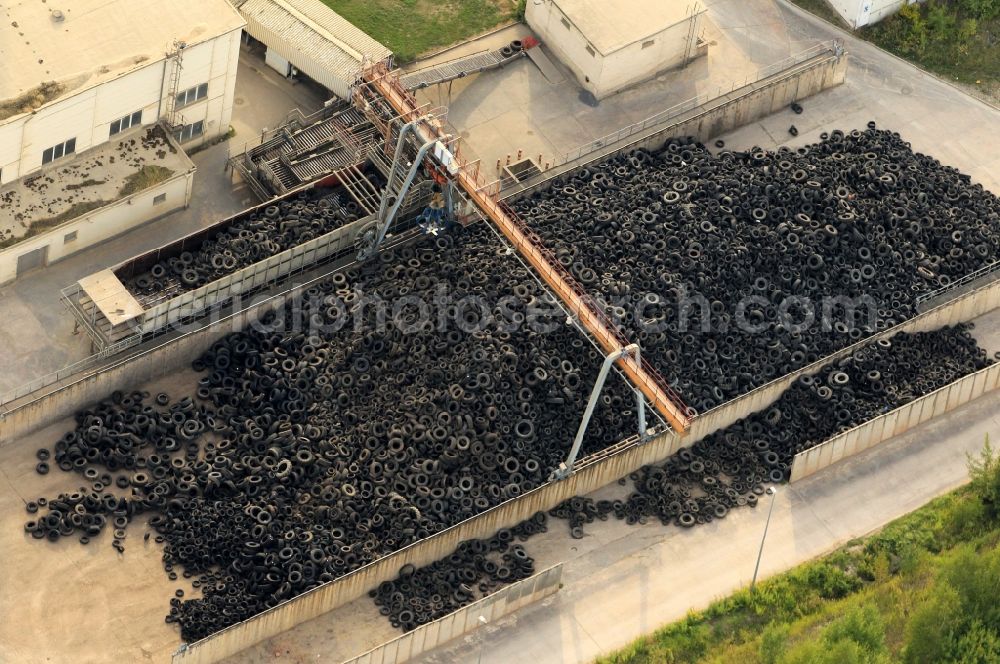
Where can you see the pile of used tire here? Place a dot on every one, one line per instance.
(741, 234)
(475, 569)
(254, 236)
(700, 484)
(313, 448)
(731, 467)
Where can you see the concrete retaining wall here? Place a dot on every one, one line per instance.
(65, 398)
(492, 608)
(753, 102)
(961, 309)
(896, 422)
(592, 474)
(717, 116)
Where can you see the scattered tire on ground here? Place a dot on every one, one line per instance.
(311, 449)
(475, 569)
(726, 470)
(743, 239)
(730, 468)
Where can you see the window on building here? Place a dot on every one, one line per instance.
(192, 95)
(189, 131)
(121, 124)
(648, 43)
(565, 22)
(60, 150)
(159, 198)
(69, 237)
(590, 49)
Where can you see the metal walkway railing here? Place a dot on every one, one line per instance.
(458, 68)
(386, 83)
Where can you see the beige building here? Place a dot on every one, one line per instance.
(76, 76)
(88, 89)
(612, 44)
(307, 36)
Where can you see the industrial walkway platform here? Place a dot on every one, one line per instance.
(460, 68)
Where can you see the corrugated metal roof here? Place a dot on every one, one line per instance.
(307, 32)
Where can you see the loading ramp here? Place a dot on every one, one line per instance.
(462, 67)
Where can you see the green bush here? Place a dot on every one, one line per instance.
(856, 638)
(832, 582)
(979, 645)
(861, 625)
(981, 9)
(984, 473)
(930, 630)
(773, 642)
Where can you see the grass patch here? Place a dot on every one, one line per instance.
(144, 178)
(923, 589)
(411, 27)
(89, 182)
(946, 38)
(30, 100)
(955, 39)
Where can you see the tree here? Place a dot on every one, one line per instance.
(984, 473)
(930, 630)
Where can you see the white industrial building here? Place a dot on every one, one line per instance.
(307, 36)
(81, 76)
(73, 75)
(612, 45)
(859, 13)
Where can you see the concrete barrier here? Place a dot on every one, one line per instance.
(592, 473)
(713, 117)
(961, 309)
(895, 422)
(465, 620)
(426, 637)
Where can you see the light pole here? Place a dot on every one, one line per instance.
(482, 642)
(772, 492)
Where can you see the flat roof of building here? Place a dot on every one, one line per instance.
(71, 187)
(609, 26)
(313, 29)
(82, 43)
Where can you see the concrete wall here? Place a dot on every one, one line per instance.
(252, 277)
(706, 119)
(88, 114)
(426, 637)
(618, 461)
(633, 63)
(603, 74)
(102, 223)
(896, 422)
(962, 309)
(755, 101)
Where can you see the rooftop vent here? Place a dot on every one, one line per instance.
(58, 16)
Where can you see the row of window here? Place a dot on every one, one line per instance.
(124, 123)
(197, 93)
(185, 133)
(189, 131)
(60, 150)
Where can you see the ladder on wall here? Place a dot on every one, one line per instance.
(175, 63)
